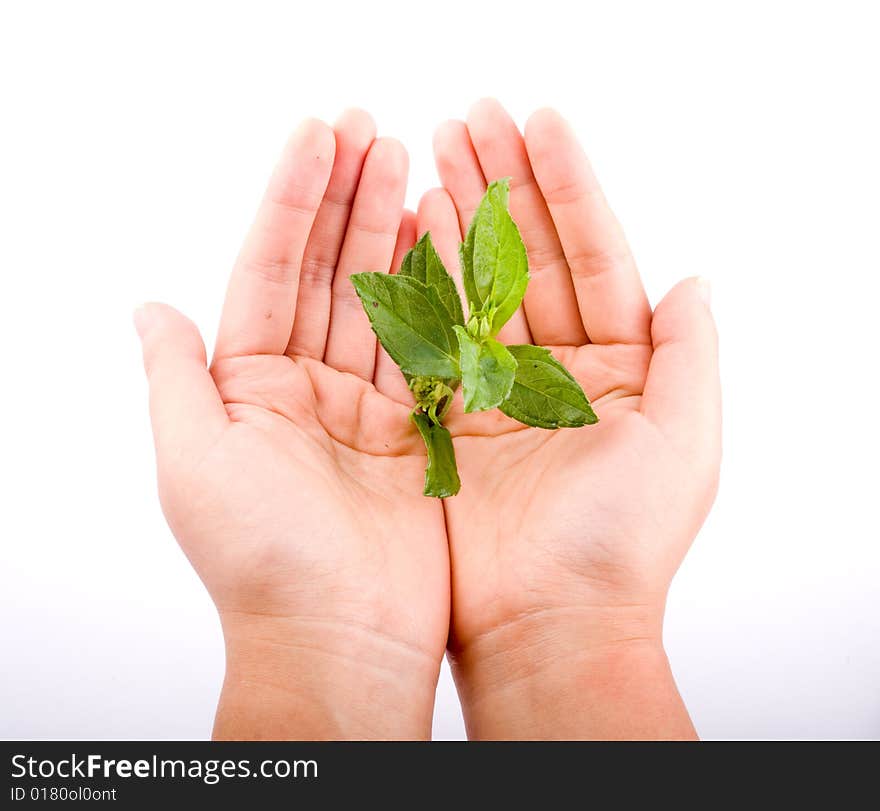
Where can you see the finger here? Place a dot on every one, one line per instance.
(437, 214)
(459, 169)
(612, 301)
(369, 246)
(550, 304)
(354, 133)
(388, 378)
(261, 296)
(185, 407)
(462, 177)
(406, 238)
(682, 393)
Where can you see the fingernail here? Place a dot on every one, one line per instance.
(705, 290)
(141, 319)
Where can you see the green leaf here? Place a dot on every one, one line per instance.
(411, 322)
(424, 263)
(544, 394)
(494, 264)
(441, 474)
(466, 260)
(487, 371)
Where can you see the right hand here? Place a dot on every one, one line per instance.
(291, 483)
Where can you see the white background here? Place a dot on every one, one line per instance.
(738, 142)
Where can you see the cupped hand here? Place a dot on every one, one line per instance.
(292, 485)
(563, 543)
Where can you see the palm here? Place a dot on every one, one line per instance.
(326, 468)
(538, 510)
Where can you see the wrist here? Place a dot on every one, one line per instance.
(571, 674)
(314, 679)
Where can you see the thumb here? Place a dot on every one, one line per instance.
(682, 393)
(185, 407)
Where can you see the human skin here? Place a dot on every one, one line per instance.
(292, 478)
(292, 485)
(563, 543)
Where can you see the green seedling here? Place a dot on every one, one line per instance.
(417, 315)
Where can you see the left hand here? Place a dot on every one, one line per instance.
(563, 543)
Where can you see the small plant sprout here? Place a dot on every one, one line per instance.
(417, 315)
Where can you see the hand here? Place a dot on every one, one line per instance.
(563, 543)
(292, 485)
